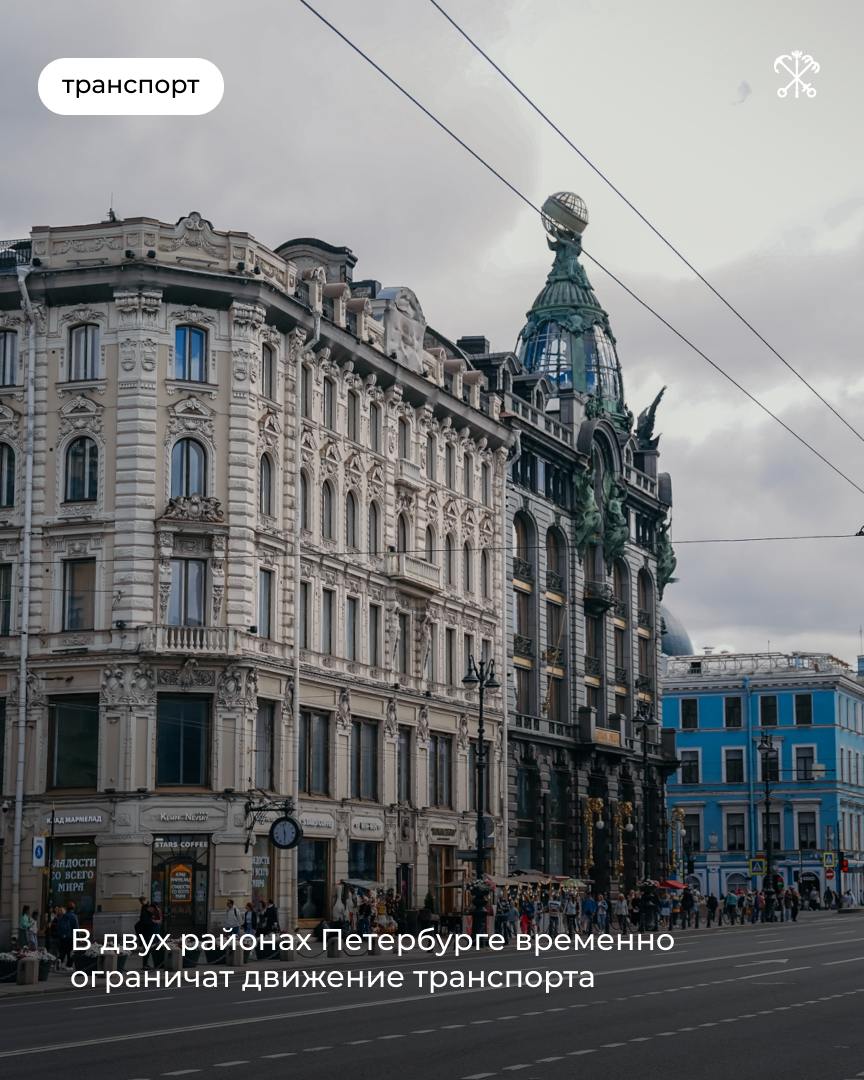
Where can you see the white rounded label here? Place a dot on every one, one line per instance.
(131, 86)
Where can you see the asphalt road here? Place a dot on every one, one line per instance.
(774, 1001)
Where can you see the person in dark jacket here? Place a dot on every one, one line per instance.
(67, 924)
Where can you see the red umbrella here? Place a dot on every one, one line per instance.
(672, 885)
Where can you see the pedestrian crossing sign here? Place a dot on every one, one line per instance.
(829, 860)
(757, 866)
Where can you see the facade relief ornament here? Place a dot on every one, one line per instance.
(423, 726)
(462, 736)
(195, 231)
(113, 686)
(343, 711)
(666, 560)
(229, 688)
(391, 720)
(587, 513)
(288, 699)
(194, 508)
(80, 414)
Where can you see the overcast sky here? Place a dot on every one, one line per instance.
(675, 100)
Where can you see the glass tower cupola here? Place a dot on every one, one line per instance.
(567, 336)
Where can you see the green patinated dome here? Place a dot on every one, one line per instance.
(567, 336)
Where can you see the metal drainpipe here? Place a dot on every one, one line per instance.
(505, 667)
(24, 579)
(298, 441)
(752, 757)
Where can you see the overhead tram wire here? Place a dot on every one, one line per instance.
(524, 198)
(672, 247)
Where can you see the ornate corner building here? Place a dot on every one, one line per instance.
(268, 517)
(588, 512)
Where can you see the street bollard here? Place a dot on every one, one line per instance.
(109, 961)
(373, 945)
(332, 949)
(28, 971)
(173, 960)
(235, 957)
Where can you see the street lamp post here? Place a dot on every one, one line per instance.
(767, 750)
(480, 676)
(645, 722)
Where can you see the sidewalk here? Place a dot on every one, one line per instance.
(60, 981)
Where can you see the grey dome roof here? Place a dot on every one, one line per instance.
(675, 640)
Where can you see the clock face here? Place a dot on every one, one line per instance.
(285, 832)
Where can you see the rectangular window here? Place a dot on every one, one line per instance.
(375, 428)
(265, 603)
(79, 584)
(431, 454)
(440, 770)
(403, 654)
(689, 766)
(523, 691)
(430, 668)
(593, 637)
(304, 615)
(734, 763)
(467, 651)
(692, 833)
(352, 609)
(735, 834)
(305, 393)
(268, 372)
(329, 404)
(73, 743)
(803, 708)
(645, 650)
(450, 655)
(620, 640)
(774, 822)
(5, 601)
(313, 753)
(353, 416)
(8, 357)
(472, 778)
(732, 712)
(768, 710)
(364, 860)
(186, 596)
(374, 635)
(805, 758)
(190, 354)
(689, 713)
(2, 741)
(403, 765)
(182, 740)
(265, 735)
(807, 830)
(327, 599)
(84, 352)
(556, 700)
(364, 759)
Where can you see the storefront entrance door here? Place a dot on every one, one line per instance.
(179, 881)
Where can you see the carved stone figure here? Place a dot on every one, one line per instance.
(645, 425)
(423, 725)
(288, 699)
(616, 529)
(194, 508)
(404, 327)
(587, 512)
(666, 561)
(113, 685)
(462, 734)
(343, 710)
(391, 720)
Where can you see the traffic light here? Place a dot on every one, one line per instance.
(844, 864)
(779, 883)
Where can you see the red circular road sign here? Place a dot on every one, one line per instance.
(829, 874)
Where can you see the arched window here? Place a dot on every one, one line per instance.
(188, 469)
(645, 590)
(450, 560)
(304, 501)
(486, 484)
(330, 404)
(467, 568)
(450, 466)
(190, 354)
(83, 352)
(374, 529)
(375, 427)
(430, 545)
(353, 416)
(524, 555)
(8, 357)
(351, 521)
(82, 470)
(468, 476)
(485, 575)
(402, 533)
(268, 372)
(305, 392)
(404, 439)
(7, 475)
(265, 486)
(431, 457)
(556, 561)
(621, 586)
(327, 514)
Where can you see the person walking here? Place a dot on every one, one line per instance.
(589, 911)
(687, 904)
(24, 926)
(571, 911)
(66, 927)
(711, 906)
(731, 907)
(796, 904)
(33, 931)
(250, 920)
(622, 913)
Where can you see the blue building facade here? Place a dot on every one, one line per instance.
(809, 707)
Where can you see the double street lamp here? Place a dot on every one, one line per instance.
(645, 722)
(480, 677)
(768, 752)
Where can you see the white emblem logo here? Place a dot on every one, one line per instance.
(796, 64)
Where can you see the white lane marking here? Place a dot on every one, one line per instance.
(555, 1057)
(642, 1038)
(515, 1068)
(181, 1072)
(607, 1046)
(477, 1076)
(111, 1004)
(358, 1042)
(450, 1027)
(402, 1036)
(578, 1053)
(757, 963)
(228, 1064)
(473, 1022)
(774, 974)
(422, 1031)
(285, 1053)
(315, 1049)
(851, 960)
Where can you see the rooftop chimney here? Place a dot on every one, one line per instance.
(475, 345)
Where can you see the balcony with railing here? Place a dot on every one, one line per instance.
(599, 596)
(593, 666)
(523, 646)
(555, 581)
(541, 725)
(554, 656)
(522, 569)
(645, 684)
(622, 608)
(646, 620)
(410, 474)
(414, 573)
(607, 733)
(621, 676)
(193, 640)
(14, 253)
